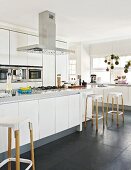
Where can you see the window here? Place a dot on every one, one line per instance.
(72, 70)
(98, 67)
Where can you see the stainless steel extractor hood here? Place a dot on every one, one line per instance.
(47, 36)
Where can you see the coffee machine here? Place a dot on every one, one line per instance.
(93, 78)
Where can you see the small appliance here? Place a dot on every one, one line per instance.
(93, 78)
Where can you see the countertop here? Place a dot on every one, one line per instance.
(110, 84)
(43, 95)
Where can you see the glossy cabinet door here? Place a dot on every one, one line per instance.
(62, 62)
(29, 109)
(74, 110)
(4, 47)
(34, 59)
(62, 66)
(62, 113)
(49, 70)
(7, 110)
(18, 40)
(46, 117)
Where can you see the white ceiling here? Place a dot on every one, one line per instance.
(76, 20)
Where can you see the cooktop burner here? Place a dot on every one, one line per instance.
(49, 87)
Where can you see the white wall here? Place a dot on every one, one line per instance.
(118, 47)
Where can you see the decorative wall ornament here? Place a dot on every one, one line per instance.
(126, 68)
(111, 61)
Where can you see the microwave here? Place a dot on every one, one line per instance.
(35, 74)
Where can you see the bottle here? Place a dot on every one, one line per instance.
(58, 80)
(9, 84)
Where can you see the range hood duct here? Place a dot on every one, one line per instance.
(47, 36)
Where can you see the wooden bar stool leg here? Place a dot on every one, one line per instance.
(17, 143)
(117, 113)
(112, 108)
(103, 110)
(32, 146)
(122, 107)
(92, 111)
(85, 113)
(96, 115)
(9, 146)
(107, 109)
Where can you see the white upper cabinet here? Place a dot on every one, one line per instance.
(62, 62)
(34, 59)
(49, 70)
(62, 66)
(18, 40)
(4, 47)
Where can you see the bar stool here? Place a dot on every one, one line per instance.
(15, 124)
(95, 99)
(115, 95)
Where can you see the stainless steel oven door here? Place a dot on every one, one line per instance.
(3, 74)
(35, 74)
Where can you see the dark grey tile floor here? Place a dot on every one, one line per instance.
(109, 149)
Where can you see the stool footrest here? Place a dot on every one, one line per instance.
(99, 117)
(120, 112)
(27, 161)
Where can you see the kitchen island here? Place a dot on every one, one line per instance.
(54, 114)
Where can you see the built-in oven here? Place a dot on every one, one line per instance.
(3, 73)
(35, 74)
(19, 74)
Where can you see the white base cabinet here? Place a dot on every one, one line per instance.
(74, 110)
(29, 109)
(46, 117)
(62, 113)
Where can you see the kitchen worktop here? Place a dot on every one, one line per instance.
(43, 94)
(110, 84)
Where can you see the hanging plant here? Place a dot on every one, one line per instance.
(126, 68)
(111, 61)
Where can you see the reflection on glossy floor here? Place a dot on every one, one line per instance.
(108, 150)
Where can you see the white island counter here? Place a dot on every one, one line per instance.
(51, 113)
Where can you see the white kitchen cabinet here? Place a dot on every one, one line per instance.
(29, 109)
(7, 110)
(18, 40)
(46, 117)
(4, 46)
(62, 66)
(74, 110)
(49, 70)
(62, 62)
(34, 59)
(62, 113)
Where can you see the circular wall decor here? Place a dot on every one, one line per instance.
(111, 61)
(126, 68)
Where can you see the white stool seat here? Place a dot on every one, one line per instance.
(115, 94)
(95, 96)
(13, 122)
